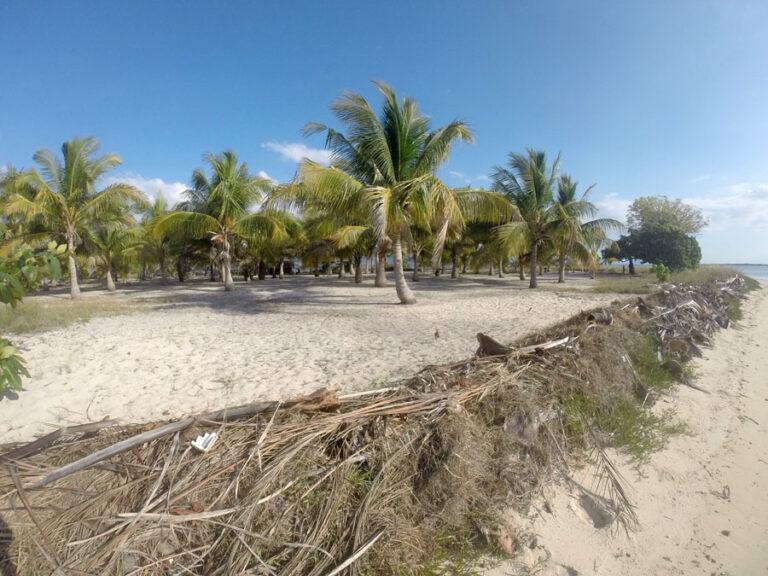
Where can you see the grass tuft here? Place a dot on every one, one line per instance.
(454, 553)
(37, 316)
(652, 372)
(625, 284)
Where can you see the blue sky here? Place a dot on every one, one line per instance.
(639, 97)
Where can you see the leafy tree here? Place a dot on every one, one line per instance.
(675, 250)
(660, 232)
(385, 167)
(20, 272)
(66, 201)
(659, 213)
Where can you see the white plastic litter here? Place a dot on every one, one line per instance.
(205, 442)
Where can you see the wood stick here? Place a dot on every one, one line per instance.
(44, 441)
(113, 450)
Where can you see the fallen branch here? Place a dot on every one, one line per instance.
(113, 450)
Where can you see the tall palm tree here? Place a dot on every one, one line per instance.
(386, 164)
(219, 208)
(528, 183)
(571, 235)
(66, 201)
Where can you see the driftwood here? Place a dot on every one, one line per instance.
(113, 450)
(490, 347)
(45, 441)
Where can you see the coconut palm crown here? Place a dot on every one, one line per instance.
(571, 235)
(387, 165)
(528, 182)
(221, 209)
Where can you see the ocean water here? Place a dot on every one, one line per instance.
(756, 271)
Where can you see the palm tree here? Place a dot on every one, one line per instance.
(527, 182)
(456, 208)
(112, 243)
(156, 248)
(385, 164)
(65, 199)
(219, 208)
(571, 236)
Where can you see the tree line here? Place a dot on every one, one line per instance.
(379, 200)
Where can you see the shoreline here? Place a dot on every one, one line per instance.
(700, 500)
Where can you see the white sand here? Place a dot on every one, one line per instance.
(703, 501)
(207, 349)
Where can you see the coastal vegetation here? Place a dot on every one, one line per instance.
(379, 202)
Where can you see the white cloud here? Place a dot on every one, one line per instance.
(152, 187)
(613, 206)
(742, 207)
(263, 174)
(468, 180)
(296, 152)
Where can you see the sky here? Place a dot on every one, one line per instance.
(640, 98)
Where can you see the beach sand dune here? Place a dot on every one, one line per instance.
(200, 348)
(701, 501)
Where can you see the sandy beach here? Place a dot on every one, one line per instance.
(701, 501)
(200, 348)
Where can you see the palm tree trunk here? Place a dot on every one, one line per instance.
(74, 288)
(262, 270)
(561, 269)
(341, 267)
(226, 270)
(401, 286)
(534, 265)
(501, 268)
(110, 281)
(281, 273)
(381, 269)
(490, 269)
(358, 270)
(352, 267)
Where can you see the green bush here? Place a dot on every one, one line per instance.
(663, 274)
(22, 271)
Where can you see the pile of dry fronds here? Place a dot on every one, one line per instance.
(327, 484)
